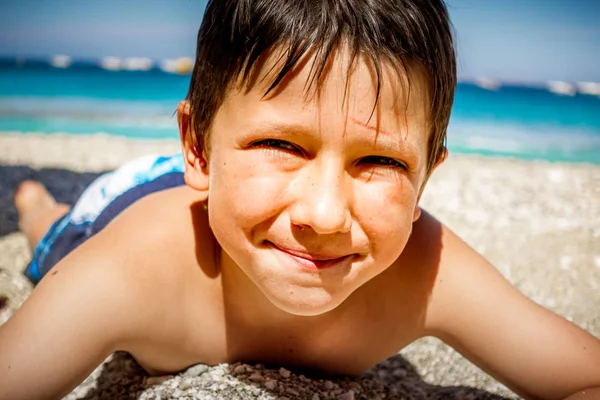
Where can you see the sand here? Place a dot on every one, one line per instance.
(537, 222)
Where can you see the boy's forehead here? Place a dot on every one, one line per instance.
(353, 85)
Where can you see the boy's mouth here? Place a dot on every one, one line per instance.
(312, 260)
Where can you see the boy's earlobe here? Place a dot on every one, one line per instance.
(417, 213)
(196, 169)
(194, 156)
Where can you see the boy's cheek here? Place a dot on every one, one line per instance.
(246, 199)
(386, 216)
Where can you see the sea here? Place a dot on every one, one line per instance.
(525, 122)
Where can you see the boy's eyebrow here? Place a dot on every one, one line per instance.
(402, 146)
(300, 130)
(295, 129)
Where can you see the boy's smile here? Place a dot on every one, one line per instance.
(308, 260)
(312, 196)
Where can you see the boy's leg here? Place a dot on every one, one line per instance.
(37, 210)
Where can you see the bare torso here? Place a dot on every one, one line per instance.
(198, 325)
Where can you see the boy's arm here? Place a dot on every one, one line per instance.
(78, 315)
(530, 349)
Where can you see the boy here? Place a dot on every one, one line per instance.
(308, 135)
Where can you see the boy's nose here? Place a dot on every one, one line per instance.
(322, 205)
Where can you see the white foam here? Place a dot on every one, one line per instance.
(137, 64)
(487, 83)
(60, 61)
(127, 64)
(590, 88)
(110, 63)
(562, 88)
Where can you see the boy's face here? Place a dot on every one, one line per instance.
(311, 198)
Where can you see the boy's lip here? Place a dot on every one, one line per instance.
(311, 260)
(307, 255)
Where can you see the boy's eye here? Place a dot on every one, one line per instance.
(383, 161)
(277, 144)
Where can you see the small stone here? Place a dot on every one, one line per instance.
(315, 397)
(186, 384)
(399, 373)
(157, 380)
(256, 377)
(240, 369)
(382, 373)
(196, 370)
(566, 262)
(271, 384)
(347, 396)
(555, 175)
(293, 392)
(284, 372)
(177, 393)
(328, 385)
(283, 398)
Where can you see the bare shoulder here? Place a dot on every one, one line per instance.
(162, 238)
(165, 215)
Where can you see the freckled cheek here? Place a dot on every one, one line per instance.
(385, 213)
(247, 191)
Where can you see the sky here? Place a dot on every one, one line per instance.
(512, 40)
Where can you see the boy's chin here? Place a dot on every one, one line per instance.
(306, 302)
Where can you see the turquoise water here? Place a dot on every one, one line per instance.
(512, 121)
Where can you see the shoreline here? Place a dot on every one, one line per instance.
(538, 222)
(18, 148)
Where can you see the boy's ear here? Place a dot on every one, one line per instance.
(417, 212)
(194, 156)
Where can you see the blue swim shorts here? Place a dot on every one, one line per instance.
(100, 203)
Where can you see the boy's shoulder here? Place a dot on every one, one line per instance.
(164, 233)
(165, 213)
(162, 222)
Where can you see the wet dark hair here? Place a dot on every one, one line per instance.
(236, 34)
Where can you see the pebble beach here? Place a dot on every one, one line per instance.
(537, 222)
